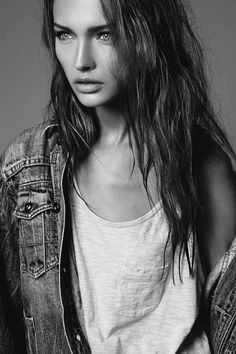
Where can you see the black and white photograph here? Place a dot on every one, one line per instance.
(118, 177)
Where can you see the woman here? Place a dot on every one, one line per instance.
(105, 206)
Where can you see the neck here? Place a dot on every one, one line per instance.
(113, 130)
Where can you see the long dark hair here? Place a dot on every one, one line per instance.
(164, 95)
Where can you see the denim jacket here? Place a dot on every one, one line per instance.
(37, 311)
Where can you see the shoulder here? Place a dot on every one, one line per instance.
(216, 192)
(32, 143)
(212, 165)
(216, 185)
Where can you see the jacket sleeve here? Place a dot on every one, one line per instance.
(12, 339)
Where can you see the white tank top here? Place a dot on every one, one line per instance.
(130, 303)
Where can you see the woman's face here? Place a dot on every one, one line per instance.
(85, 50)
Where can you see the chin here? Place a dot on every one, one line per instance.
(94, 100)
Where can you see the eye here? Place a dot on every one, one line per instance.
(63, 36)
(105, 36)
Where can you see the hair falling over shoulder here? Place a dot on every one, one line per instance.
(165, 101)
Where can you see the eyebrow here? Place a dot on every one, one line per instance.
(90, 30)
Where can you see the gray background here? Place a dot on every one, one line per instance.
(25, 72)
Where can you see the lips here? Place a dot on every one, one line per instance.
(88, 81)
(87, 85)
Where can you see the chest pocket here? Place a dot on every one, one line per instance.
(38, 219)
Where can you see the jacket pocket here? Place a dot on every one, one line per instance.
(37, 218)
(140, 291)
(30, 334)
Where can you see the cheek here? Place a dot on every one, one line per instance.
(64, 60)
(111, 67)
(58, 53)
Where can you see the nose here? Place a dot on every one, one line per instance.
(84, 60)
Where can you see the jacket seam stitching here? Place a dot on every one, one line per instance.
(6, 181)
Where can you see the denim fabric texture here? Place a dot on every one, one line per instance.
(37, 307)
(221, 291)
(34, 289)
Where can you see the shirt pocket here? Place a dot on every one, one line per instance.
(37, 216)
(140, 291)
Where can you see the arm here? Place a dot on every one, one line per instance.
(11, 320)
(216, 219)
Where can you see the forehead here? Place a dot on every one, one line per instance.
(78, 13)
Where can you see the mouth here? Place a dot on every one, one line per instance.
(88, 85)
(88, 81)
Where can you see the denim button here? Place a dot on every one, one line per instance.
(28, 207)
(56, 208)
(78, 338)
